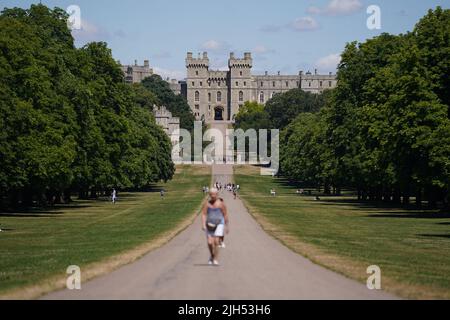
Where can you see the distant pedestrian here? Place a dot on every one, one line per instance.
(114, 196)
(162, 193)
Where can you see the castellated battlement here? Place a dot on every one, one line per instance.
(246, 62)
(217, 75)
(202, 61)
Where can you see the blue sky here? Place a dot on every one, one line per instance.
(284, 35)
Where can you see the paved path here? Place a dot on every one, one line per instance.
(253, 266)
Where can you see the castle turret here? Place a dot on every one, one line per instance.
(197, 67)
(240, 83)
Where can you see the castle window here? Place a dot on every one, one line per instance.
(245, 83)
(287, 84)
(193, 83)
(197, 107)
(201, 84)
(321, 83)
(219, 96)
(262, 84)
(261, 97)
(241, 96)
(329, 83)
(310, 83)
(196, 73)
(240, 73)
(237, 84)
(197, 96)
(218, 83)
(209, 108)
(209, 96)
(273, 84)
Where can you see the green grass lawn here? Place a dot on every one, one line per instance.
(412, 247)
(39, 244)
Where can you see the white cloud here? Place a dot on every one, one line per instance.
(304, 24)
(329, 62)
(171, 74)
(262, 50)
(215, 46)
(337, 7)
(313, 10)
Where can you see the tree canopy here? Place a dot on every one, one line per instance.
(385, 129)
(69, 122)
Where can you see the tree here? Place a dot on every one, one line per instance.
(69, 122)
(284, 107)
(303, 152)
(252, 116)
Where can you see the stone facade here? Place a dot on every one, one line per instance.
(218, 95)
(171, 125)
(135, 73)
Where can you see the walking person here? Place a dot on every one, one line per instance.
(162, 193)
(114, 196)
(215, 223)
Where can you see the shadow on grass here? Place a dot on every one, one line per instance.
(41, 214)
(445, 236)
(382, 206)
(418, 215)
(150, 189)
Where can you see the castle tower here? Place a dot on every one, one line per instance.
(240, 82)
(197, 84)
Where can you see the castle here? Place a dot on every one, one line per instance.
(135, 73)
(215, 95)
(170, 124)
(218, 95)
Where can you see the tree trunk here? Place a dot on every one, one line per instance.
(419, 198)
(27, 197)
(396, 197)
(67, 196)
(406, 199)
(93, 193)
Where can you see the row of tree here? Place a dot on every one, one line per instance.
(68, 121)
(384, 130)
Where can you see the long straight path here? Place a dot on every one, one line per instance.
(252, 266)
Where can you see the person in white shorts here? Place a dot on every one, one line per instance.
(215, 223)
